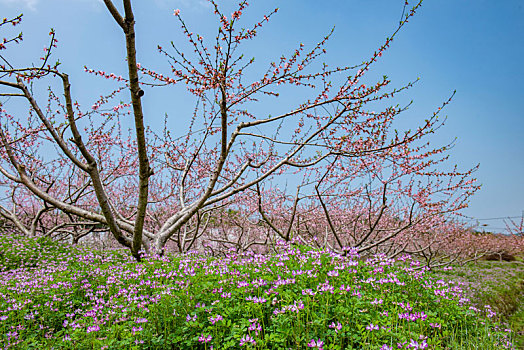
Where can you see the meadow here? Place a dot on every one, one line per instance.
(55, 296)
(499, 284)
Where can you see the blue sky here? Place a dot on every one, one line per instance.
(474, 47)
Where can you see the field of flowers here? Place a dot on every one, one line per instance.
(54, 296)
(496, 283)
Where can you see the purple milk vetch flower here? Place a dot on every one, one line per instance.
(204, 338)
(256, 300)
(247, 339)
(308, 292)
(242, 284)
(333, 273)
(345, 288)
(336, 327)
(316, 344)
(215, 319)
(94, 328)
(413, 317)
(255, 326)
(141, 320)
(325, 287)
(372, 327)
(415, 345)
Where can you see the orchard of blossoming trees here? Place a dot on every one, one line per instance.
(71, 172)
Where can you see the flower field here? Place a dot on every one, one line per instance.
(62, 297)
(496, 283)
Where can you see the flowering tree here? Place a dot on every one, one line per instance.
(149, 187)
(515, 226)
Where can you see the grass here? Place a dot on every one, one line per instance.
(498, 284)
(55, 296)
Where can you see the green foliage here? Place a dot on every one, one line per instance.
(298, 298)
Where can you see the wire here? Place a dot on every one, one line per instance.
(500, 218)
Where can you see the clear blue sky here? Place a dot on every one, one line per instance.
(474, 47)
